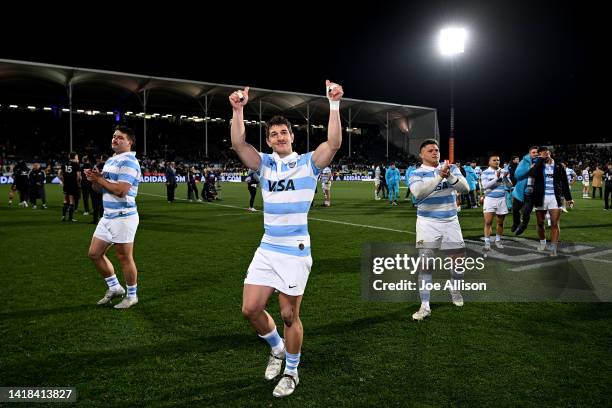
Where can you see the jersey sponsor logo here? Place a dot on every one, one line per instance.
(292, 164)
(441, 186)
(281, 185)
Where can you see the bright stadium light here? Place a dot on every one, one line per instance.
(452, 40)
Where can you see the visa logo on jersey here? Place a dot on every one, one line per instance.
(441, 186)
(281, 185)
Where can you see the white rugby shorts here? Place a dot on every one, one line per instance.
(495, 205)
(286, 273)
(120, 230)
(438, 235)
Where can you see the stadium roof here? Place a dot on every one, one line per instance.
(92, 84)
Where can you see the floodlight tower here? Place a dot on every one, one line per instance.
(452, 43)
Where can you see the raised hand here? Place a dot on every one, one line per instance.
(239, 98)
(333, 91)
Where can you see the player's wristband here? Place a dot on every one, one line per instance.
(334, 105)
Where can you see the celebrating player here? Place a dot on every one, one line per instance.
(282, 262)
(435, 186)
(118, 184)
(494, 182)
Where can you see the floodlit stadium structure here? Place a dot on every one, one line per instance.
(71, 94)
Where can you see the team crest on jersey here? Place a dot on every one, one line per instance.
(292, 164)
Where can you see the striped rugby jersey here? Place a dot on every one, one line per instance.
(499, 190)
(122, 167)
(585, 176)
(287, 187)
(571, 174)
(441, 204)
(549, 171)
(326, 175)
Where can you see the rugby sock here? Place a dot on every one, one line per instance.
(131, 290)
(424, 293)
(497, 238)
(70, 211)
(274, 340)
(543, 241)
(487, 240)
(291, 363)
(112, 282)
(553, 246)
(64, 209)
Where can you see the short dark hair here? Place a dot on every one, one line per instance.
(533, 147)
(515, 157)
(277, 121)
(542, 149)
(129, 132)
(428, 142)
(72, 155)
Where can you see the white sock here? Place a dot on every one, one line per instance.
(275, 341)
(131, 291)
(425, 305)
(543, 241)
(487, 240)
(112, 282)
(497, 238)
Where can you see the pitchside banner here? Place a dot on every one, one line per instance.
(228, 177)
(581, 272)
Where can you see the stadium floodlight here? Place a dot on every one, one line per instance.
(65, 110)
(13, 106)
(46, 108)
(80, 111)
(452, 43)
(110, 113)
(32, 107)
(452, 40)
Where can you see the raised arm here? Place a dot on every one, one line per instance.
(247, 153)
(326, 151)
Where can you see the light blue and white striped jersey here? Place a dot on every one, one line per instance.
(585, 176)
(571, 174)
(287, 187)
(326, 175)
(478, 172)
(122, 167)
(549, 170)
(499, 190)
(441, 204)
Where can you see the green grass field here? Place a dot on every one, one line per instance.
(186, 343)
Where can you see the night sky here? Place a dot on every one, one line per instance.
(532, 71)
